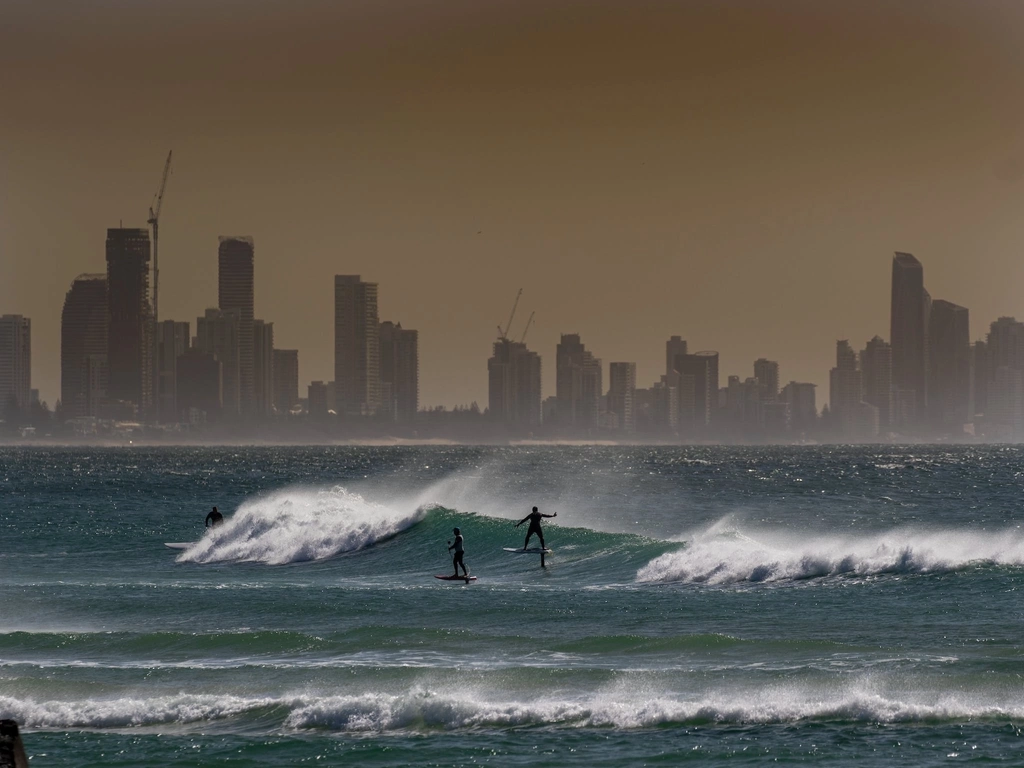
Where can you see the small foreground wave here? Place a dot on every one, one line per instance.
(724, 556)
(301, 524)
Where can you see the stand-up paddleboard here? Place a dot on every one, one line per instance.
(179, 544)
(530, 551)
(466, 579)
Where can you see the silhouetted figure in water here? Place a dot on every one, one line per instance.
(214, 519)
(534, 518)
(460, 550)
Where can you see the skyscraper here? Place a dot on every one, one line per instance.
(235, 292)
(172, 340)
(876, 376)
(15, 364)
(356, 346)
(621, 394)
(1005, 379)
(699, 381)
(83, 347)
(909, 315)
(286, 379)
(949, 361)
(803, 408)
(675, 346)
(767, 374)
(197, 386)
(263, 367)
(513, 384)
(129, 328)
(577, 383)
(217, 334)
(399, 372)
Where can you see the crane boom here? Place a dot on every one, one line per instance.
(504, 333)
(527, 328)
(158, 200)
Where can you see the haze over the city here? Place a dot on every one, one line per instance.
(739, 173)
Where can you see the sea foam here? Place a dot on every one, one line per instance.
(301, 524)
(723, 555)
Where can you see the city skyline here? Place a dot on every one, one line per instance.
(740, 179)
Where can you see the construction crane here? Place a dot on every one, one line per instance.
(154, 221)
(503, 334)
(528, 323)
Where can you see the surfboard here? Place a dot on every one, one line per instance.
(530, 551)
(449, 577)
(178, 544)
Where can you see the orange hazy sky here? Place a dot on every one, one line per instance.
(737, 172)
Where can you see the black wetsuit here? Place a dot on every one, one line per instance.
(457, 557)
(535, 518)
(215, 517)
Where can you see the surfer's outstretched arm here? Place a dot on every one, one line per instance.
(522, 521)
(554, 515)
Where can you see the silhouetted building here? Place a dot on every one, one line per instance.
(263, 367)
(577, 383)
(173, 338)
(130, 318)
(1005, 348)
(621, 392)
(83, 347)
(286, 379)
(979, 377)
(198, 386)
(767, 374)
(235, 292)
(854, 418)
(700, 390)
(675, 346)
(217, 333)
(317, 399)
(803, 409)
(356, 346)
(513, 384)
(15, 365)
(876, 377)
(399, 372)
(909, 317)
(949, 362)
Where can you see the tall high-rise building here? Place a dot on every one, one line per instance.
(621, 394)
(83, 347)
(949, 362)
(172, 340)
(577, 383)
(197, 386)
(767, 374)
(316, 398)
(803, 408)
(513, 384)
(399, 372)
(263, 367)
(356, 346)
(217, 334)
(676, 345)
(235, 292)
(699, 379)
(1005, 397)
(286, 379)
(130, 319)
(876, 377)
(979, 377)
(909, 316)
(15, 364)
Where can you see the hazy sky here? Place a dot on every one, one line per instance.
(736, 172)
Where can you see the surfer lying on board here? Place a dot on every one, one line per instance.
(534, 518)
(214, 519)
(459, 552)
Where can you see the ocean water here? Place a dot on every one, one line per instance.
(842, 606)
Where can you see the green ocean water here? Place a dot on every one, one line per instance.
(811, 605)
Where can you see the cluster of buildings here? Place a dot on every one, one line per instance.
(120, 366)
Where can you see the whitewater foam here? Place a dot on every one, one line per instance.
(723, 555)
(301, 524)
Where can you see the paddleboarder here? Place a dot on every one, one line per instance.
(460, 550)
(534, 517)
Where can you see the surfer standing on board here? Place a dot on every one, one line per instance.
(214, 519)
(534, 518)
(459, 552)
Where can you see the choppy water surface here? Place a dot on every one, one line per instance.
(837, 606)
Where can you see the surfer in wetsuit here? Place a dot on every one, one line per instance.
(459, 552)
(214, 519)
(534, 518)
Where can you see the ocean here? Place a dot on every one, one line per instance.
(840, 606)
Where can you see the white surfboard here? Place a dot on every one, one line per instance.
(179, 544)
(530, 551)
